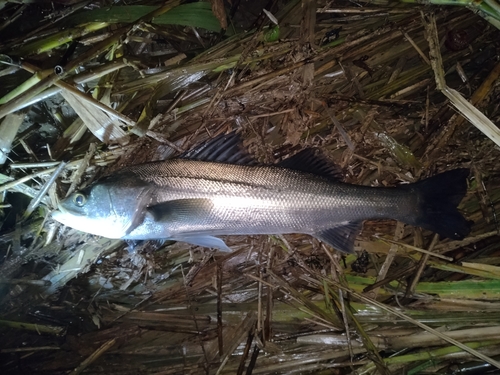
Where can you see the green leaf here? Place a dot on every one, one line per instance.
(192, 14)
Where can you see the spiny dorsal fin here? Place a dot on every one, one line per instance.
(311, 160)
(225, 148)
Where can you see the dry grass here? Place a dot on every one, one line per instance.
(387, 90)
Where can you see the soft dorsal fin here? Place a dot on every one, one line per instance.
(311, 160)
(225, 148)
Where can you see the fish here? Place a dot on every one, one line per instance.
(219, 189)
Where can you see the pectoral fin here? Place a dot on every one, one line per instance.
(180, 210)
(341, 237)
(185, 212)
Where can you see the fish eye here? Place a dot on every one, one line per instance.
(79, 199)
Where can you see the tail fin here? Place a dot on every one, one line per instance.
(439, 197)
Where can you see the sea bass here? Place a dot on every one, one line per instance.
(217, 189)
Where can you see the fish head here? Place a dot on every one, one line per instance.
(107, 208)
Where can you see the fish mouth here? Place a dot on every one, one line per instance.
(83, 223)
(62, 213)
(59, 214)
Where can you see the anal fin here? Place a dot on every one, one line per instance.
(341, 237)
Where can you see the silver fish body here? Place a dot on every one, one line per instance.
(194, 201)
(222, 199)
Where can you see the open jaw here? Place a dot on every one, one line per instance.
(83, 223)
